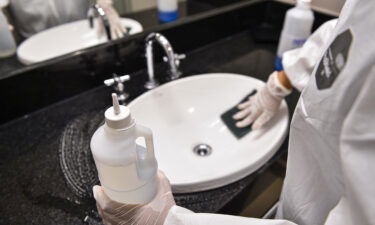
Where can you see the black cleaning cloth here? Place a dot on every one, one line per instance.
(227, 118)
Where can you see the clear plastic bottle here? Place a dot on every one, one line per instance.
(7, 44)
(126, 170)
(168, 10)
(296, 29)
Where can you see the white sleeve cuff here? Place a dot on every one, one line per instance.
(276, 87)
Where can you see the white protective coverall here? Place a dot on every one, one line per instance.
(33, 16)
(330, 175)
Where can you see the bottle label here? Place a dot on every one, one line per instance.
(289, 42)
(297, 43)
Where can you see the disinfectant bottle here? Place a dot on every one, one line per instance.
(7, 43)
(127, 171)
(168, 10)
(296, 29)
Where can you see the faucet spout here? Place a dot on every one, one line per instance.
(172, 58)
(96, 10)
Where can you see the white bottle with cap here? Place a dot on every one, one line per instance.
(296, 29)
(168, 10)
(126, 170)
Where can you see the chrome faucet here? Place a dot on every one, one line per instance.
(118, 84)
(96, 10)
(172, 58)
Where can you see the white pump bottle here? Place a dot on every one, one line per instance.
(296, 29)
(126, 170)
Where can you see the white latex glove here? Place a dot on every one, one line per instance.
(260, 108)
(153, 213)
(117, 29)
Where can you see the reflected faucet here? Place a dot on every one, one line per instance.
(96, 10)
(172, 58)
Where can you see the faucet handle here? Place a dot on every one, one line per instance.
(116, 79)
(177, 57)
(180, 56)
(118, 83)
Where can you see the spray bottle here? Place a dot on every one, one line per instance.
(296, 29)
(127, 171)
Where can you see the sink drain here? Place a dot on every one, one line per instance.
(202, 150)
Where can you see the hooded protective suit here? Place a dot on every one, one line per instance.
(330, 173)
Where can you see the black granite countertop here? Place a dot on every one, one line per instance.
(34, 191)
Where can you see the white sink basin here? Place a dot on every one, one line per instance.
(186, 112)
(63, 39)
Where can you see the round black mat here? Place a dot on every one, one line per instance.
(76, 161)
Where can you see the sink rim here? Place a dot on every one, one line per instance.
(230, 177)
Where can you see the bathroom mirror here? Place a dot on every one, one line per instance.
(142, 14)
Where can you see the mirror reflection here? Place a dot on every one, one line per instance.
(34, 31)
(44, 24)
(34, 16)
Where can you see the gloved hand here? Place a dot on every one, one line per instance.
(260, 108)
(153, 213)
(117, 29)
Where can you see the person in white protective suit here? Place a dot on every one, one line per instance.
(33, 16)
(330, 175)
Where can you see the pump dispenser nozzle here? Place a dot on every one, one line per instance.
(116, 104)
(118, 116)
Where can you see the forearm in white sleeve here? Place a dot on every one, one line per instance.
(357, 151)
(299, 63)
(181, 216)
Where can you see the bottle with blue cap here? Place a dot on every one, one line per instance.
(296, 29)
(127, 171)
(168, 10)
